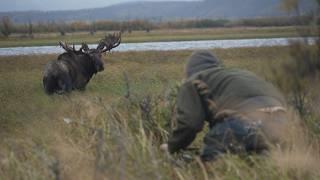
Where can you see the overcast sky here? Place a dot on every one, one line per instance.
(45, 5)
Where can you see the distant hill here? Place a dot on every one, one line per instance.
(228, 9)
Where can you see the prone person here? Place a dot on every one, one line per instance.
(244, 112)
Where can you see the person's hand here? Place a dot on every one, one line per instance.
(164, 148)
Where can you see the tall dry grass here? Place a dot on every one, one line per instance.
(114, 128)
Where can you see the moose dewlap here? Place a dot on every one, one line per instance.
(74, 68)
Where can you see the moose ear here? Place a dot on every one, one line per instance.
(84, 48)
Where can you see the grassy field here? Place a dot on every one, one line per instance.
(113, 129)
(156, 35)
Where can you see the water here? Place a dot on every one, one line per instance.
(158, 46)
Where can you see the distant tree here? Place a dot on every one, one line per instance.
(93, 28)
(30, 29)
(62, 32)
(6, 26)
(62, 28)
(290, 6)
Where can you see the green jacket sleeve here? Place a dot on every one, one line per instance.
(190, 118)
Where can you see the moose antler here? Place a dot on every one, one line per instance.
(67, 48)
(109, 42)
(83, 49)
(106, 44)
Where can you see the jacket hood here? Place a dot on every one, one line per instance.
(200, 61)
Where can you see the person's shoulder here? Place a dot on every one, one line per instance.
(240, 72)
(206, 73)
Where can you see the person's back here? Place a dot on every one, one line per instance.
(236, 103)
(238, 90)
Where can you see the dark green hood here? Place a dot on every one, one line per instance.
(200, 61)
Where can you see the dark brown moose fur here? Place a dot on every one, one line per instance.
(74, 68)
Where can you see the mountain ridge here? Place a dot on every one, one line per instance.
(158, 11)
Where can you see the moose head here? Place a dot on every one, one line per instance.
(109, 42)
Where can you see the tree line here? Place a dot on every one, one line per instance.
(7, 27)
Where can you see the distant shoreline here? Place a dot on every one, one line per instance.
(167, 35)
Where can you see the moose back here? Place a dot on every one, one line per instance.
(74, 68)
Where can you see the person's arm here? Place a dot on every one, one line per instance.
(190, 118)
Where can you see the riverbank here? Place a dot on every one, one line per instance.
(113, 129)
(160, 46)
(18, 40)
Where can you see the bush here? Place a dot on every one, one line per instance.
(6, 26)
(302, 71)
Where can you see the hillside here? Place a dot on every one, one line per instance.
(229, 9)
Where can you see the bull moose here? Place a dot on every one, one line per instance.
(73, 69)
